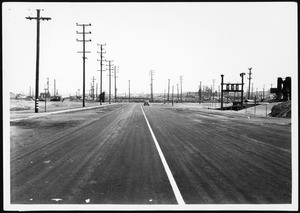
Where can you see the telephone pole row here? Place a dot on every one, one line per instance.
(83, 54)
(37, 18)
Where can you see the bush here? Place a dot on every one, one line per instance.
(282, 110)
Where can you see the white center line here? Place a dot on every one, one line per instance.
(176, 191)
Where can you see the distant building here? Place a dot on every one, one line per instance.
(20, 96)
(12, 95)
(45, 95)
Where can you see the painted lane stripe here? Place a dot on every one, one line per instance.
(176, 191)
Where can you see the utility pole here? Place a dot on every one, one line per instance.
(109, 65)
(177, 93)
(129, 91)
(47, 89)
(263, 93)
(164, 95)
(101, 60)
(38, 18)
(168, 90)
(249, 73)
(252, 91)
(213, 89)
(45, 98)
(96, 91)
(115, 75)
(172, 95)
(54, 94)
(222, 82)
(242, 93)
(181, 88)
(83, 56)
(151, 73)
(93, 87)
(200, 93)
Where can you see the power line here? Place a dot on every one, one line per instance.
(37, 18)
(83, 56)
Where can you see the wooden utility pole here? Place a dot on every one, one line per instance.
(200, 93)
(168, 90)
(83, 55)
(129, 91)
(242, 93)
(249, 73)
(181, 88)
(45, 98)
(54, 94)
(252, 91)
(172, 95)
(177, 93)
(101, 64)
(109, 69)
(151, 73)
(222, 82)
(213, 89)
(115, 76)
(37, 18)
(47, 88)
(96, 91)
(93, 87)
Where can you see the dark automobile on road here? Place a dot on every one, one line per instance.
(146, 103)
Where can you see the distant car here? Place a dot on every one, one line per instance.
(146, 103)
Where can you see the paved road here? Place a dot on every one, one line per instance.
(112, 158)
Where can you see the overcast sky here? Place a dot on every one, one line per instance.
(199, 41)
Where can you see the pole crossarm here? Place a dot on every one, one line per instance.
(89, 40)
(83, 24)
(40, 18)
(84, 32)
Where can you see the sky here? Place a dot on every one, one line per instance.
(198, 41)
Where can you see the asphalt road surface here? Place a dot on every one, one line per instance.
(110, 156)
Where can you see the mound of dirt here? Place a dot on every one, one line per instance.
(282, 110)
